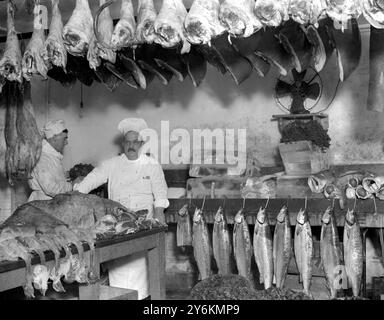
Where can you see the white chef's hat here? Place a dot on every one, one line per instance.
(53, 127)
(132, 124)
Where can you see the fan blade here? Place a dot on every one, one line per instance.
(283, 89)
(312, 91)
(298, 76)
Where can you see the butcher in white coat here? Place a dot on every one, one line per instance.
(137, 181)
(48, 176)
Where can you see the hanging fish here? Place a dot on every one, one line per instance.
(303, 246)
(202, 245)
(262, 246)
(242, 246)
(330, 251)
(319, 56)
(222, 246)
(353, 252)
(348, 48)
(282, 246)
(271, 50)
(184, 227)
(375, 101)
(146, 16)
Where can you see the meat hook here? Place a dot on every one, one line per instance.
(96, 24)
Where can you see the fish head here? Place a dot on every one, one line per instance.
(239, 218)
(219, 217)
(327, 215)
(302, 216)
(350, 217)
(40, 278)
(198, 32)
(317, 183)
(261, 215)
(183, 211)
(353, 182)
(197, 216)
(282, 214)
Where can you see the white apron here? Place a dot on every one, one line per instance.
(128, 182)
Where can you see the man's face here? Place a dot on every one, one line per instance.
(59, 141)
(132, 145)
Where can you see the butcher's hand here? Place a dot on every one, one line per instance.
(159, 215)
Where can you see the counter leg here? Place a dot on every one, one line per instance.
(156, 261)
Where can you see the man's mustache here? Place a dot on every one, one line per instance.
(131, 150)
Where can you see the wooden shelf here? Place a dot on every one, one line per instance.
(365, 210)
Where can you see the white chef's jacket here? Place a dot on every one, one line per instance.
(138, 185)
(48, 177)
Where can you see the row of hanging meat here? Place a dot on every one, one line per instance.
(237, 37)
(272, 251)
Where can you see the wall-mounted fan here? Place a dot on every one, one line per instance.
(300, 92)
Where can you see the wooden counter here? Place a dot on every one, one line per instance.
(12, 274)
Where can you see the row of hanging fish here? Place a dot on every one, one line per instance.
(349, 185)
(272, 251)
(54, 225)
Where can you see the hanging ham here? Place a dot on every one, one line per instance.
(307, 12)
(348, 48)
(202, 22)
(54, 52)
(238, 18)
(10, 63)
(78, 31)
(373, 11)
(271, 13)
(23, 139)
(99, 47)
(33, 62)
(146, 16)
(376, 70)
(169, 25)
(124, 32)
(343, 10)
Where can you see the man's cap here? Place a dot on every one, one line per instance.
(132, 124)
(54, 127)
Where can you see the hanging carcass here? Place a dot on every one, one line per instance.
(23, 139)
(124, 33)
(373, 11)
(146, 16)
(54, 52)
(100, 44)
(32, 61)
(343, 10)
(238, 18)
(169, 25)
(272, 13)
(78, 31)
(202, 22)
(10, 63)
